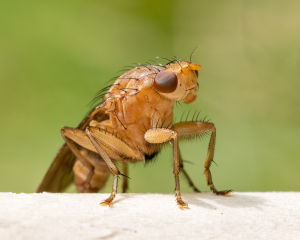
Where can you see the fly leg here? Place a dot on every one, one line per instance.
(189, 180)
(162, 135)
(191, 129)
(85, 162)
(125, 179)
(112, 167)
(107, 145)
(100, 139)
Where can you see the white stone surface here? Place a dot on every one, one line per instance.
(271, 215)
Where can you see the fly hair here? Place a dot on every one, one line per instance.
(130, 78)
(155, 67)
(135, 89)
(182, 116)
(104, 89)
(198, 116)
(157, 122)
(151, 74)
(101, 93)
(119, 119)
(189, 162)
(99, 97)
(122, 89)
(130, 66)
(150, 158)
(169, 125)
(179, 63)
(146, 66)
(112, 133)
(124, 175)
(169, 61)
(215, 163)
(177, 60)
(112, 79)
(124, 70)
(162, 123)
(200, 137)
(142, 131)
(165, 58)
(194, 115)
(158, 63)
(177, 102)
(144, 126)
(187, 115)
(151, 123)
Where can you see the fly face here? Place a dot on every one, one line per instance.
(178, 81)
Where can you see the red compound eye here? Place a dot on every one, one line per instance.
(166, 82)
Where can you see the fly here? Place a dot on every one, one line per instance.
(133, 122)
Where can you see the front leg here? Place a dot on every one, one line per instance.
(162, 135)
(191, 129)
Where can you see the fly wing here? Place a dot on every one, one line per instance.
(60, 174)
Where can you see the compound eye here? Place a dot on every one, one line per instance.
(166, 82)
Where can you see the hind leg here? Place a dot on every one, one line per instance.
(88, 181)
(125, 179)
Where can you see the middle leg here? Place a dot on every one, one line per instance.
(163, 135)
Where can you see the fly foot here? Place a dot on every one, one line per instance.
(182, 204)
(223, 193)
(107, 203)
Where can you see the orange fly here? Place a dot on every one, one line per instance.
(132, 123)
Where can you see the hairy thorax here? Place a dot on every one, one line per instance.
(134, 110)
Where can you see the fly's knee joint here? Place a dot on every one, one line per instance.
(175, 134)
(117, 173)
(87, 129)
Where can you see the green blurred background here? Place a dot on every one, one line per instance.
(55, 55)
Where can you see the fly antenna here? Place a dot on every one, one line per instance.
(194, 51)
